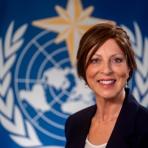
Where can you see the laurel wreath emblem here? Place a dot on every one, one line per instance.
(21, 130)
(11, 118)
(140, 47)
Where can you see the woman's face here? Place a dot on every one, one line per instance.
(107, 71)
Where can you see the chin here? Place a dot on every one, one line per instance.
(110, 95)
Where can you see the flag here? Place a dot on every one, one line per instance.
(39, 86)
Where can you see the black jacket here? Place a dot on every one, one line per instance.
(130, 131)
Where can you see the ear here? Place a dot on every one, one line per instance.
(129, 74)
(129, 71)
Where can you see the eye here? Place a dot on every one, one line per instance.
(117, 60)
(95, 61)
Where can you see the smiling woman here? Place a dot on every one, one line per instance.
(107, 71)
(105, 60)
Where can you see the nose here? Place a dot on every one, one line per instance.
(106, 68)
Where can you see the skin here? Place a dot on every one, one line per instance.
(106, 74)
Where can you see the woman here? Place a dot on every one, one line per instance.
(105, 60)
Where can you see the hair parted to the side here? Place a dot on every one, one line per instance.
(95, 37)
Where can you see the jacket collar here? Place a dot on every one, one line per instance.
(124, 127)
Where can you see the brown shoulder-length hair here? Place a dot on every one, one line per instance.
(95, 37)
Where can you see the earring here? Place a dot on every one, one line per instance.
(126, 85)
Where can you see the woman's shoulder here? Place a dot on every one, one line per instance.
(143, 113)
(142, 119)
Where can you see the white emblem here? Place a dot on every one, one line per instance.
(140, 47)
(9, 110)
(21, 130)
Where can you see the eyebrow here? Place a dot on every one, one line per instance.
(117, 54)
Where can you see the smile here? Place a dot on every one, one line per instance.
(107, 82)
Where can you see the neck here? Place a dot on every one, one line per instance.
(109, 109)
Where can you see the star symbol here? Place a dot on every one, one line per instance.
(70, 24)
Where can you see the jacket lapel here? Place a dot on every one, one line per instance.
(86, 124)
(124, 127)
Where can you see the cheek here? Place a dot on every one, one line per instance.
(90, 75)
(91, 72)
(123, 72)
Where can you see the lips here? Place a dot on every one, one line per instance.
(107, 82)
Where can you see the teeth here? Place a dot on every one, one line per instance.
(106, 82)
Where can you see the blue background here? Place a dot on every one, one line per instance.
(25, 11)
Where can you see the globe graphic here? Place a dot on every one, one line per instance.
(39, 83)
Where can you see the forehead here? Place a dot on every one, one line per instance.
(110, 47)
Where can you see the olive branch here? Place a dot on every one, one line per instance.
(140, 47)
(11, 118)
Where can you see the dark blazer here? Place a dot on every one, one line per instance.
(130, 130)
